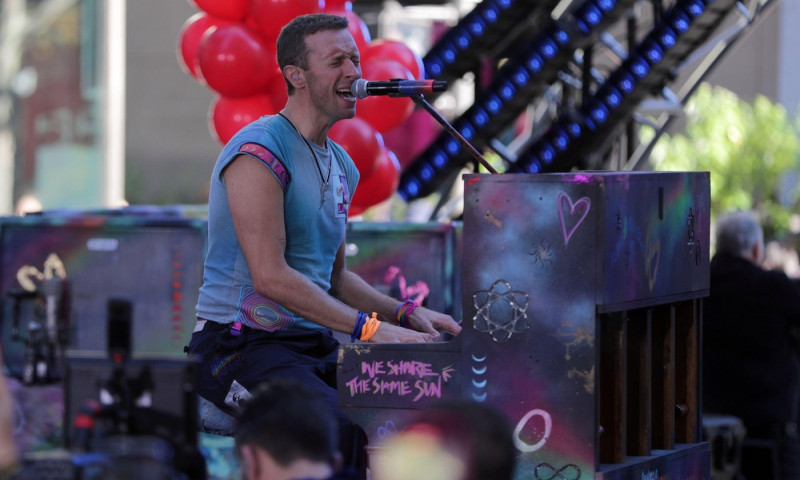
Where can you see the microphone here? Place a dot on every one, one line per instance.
(396, 88)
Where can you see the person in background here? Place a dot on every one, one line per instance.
(751, 368)
(286, 432)
(275, 282)
(453, 440)
(9, 452)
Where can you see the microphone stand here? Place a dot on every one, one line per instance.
(420, 100)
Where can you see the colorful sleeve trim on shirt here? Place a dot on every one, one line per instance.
(260, 152)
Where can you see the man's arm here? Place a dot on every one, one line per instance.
(351, 289)
(253, 193)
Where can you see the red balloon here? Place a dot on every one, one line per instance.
(383, 49)
(229, 9)
(355, 25)
(338, 4)
(379, 186)
(361, 141)
(272, 15)
(229, 115)
(383, 112)
(235, 63)
(191, 33)
(355, 210)
(413, 137)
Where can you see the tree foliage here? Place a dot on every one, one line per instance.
(750, 149)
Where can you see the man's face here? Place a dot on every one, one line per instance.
(333, 65)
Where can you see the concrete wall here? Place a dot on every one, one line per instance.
(169, 148)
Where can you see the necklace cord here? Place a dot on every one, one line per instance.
(324, 180)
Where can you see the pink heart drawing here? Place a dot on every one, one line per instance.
(578, 209)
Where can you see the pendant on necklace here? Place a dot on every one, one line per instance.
(322, 190)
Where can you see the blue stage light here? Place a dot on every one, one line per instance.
(504, 4)
(462, 40)
(639, 67)
(479, 117)
(694, 8)
(533, 166)
(574, 129)
(598, 113)
(426, 172)
(560, 36)
(680, 22)
(666, 38)
(467, 132)
(606, 5)
(547, 48)
(624, 81)
(434, 67)
(547, 153)
(520, 76)
(652, 52)
(534, 63)
(451, 146)
(476, 26)
(493, 104)
(490, 14)
(507, 90)
(449, 53)
(560, 139)
(440, 159)
(410, 189)
(588, 18)
(610, 96)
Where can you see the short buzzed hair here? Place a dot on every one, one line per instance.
(290, 422)
(291, 43)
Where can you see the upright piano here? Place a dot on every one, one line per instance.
(581, 300)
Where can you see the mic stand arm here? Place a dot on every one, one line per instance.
(420, 100)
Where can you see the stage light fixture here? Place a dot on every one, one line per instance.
(426, 172)
(451, 146)
(666, 37)
(523, 76)
(467, 132)
(439, 159)
(488, 29)
(479, 117)
(560, 139)
(533, 167)
(520, 76)
(534, 63)
(490, 14)
(685, 26)
(507, 90)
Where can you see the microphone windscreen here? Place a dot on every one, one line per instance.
(359, 88)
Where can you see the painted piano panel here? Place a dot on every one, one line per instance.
(545, 259)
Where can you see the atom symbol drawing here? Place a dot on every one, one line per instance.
(501, 311)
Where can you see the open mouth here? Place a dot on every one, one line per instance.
(346, 94)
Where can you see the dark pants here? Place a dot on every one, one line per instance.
(255, 356)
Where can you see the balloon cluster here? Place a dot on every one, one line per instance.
(229, 46)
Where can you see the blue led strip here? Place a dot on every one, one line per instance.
(648, 67)
(521, 78)
(477, 34)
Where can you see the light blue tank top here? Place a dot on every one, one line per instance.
(314, 228)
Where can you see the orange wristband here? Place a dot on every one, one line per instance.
(370, 327)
